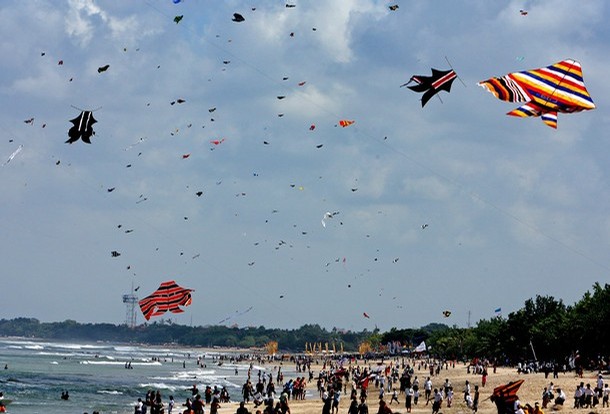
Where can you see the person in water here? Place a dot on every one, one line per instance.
(65, 395)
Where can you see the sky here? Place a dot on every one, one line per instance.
(454, 206)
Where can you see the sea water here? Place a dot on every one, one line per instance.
(33, 375)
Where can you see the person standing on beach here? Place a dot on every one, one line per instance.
(197, 405)
(139, 406)
(408, 397)
(170, 404)
(215, 406)
(475, 400)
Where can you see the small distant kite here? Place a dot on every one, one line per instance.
(327, 215)
(440, 80)
(83, 128)
(13, 155)
(168, 297)
(178, 18)
(238, 18)
(446, 313)
(366, 315)
(217, 141)
(103, 68)
(547, 91)
(523, 12)
(345, 123)
(393, 7)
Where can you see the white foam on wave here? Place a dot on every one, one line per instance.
(54, 363)
(34, 347)
(14, 347)
(109, 392)
(89, 362)
(60, 354)
(159, 385)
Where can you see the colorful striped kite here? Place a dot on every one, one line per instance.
(345, 123)
(547, 91)
(168, 297)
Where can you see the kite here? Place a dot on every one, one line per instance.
(217, 141)
(446, 313)
(546, 91)
(83, 128)
(366, 315)
(178, 18)
(13, 155)
(327, 215)
(440, 80)
(504, 396)
(103, 68)
(394, 7)
(345, 123)
(168, 297)
(238, 18)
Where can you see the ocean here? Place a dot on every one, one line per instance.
(33, 375)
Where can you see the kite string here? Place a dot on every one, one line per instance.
(456, 75)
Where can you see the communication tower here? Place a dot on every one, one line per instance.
(130, 300)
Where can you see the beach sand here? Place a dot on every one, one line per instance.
(530, 392)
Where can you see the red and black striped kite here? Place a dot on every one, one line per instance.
(169, 297)
(440, 80)
(504, 396)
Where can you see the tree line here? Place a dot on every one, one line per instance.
(543, 329)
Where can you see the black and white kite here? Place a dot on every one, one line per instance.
(83, 128)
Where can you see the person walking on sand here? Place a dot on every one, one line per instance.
(394, 397)
(353, 406)
(384, 408)
(427, 390)
(438, 399)
(363, 408)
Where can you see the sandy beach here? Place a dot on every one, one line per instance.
(530, 392)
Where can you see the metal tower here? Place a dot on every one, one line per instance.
(130, 300)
